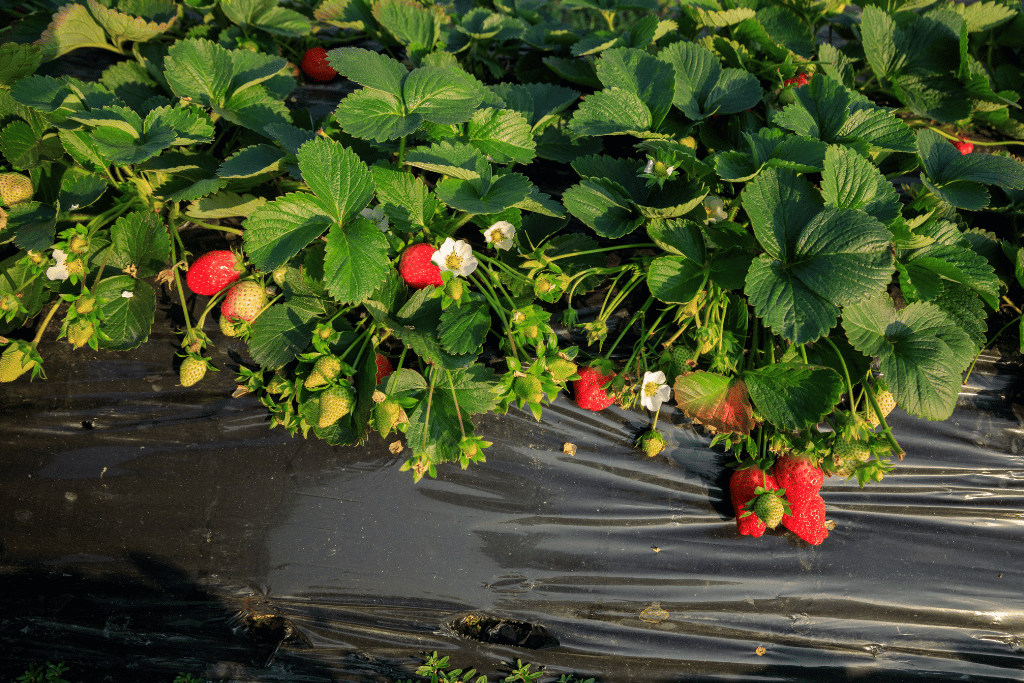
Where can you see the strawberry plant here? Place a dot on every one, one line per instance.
(696, 202)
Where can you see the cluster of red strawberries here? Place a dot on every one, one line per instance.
(801, 482)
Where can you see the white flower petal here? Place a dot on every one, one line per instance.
(125, 294)
(500, 235)
(654, 391)
(59, 271)
(650, 166)
(455, 256)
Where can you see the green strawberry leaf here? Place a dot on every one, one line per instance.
(850, 181)
(792, 396)
(826, 110)
(676, 279)
(24, 149)
(139, 242)
(604, 207)
(416, 325)
(837, 257)
(128, 312)
(959, 178)
(503, 135)
(463, 328)
(340, 180)
(703, 87)
(32, 225)
(930, 267)
(253, 161)
(921, 352)
(266, 15)
(278, 230)
(280, 334)
(502, 193)
(715, 400)
(80, 188)
(18, 61)
(356, 261)
(224, 204)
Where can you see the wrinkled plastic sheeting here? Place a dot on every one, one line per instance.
(147, 528)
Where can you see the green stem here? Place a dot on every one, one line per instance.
(458, 410)
(426, 416)
(46, 321)
(645, 245)
(886, 429)
(625, 328)
(495, 305)
(989, 343)
(846, 373)
(221, 228)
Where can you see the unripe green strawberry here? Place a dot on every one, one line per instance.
(886, 402)
(326, 369)
(13, 364)
(14, 188)
(531, 331)
(8, 302)
(79, 245)
(528, 388)
(279, 275)
(388, 414)
(3, 220)
(769, 509)
(244, 301)
(38, 257)
(277, 385)
(80, 332)
(192, 370)
(454, 289)
(85, 305)
(76, 267)
(335, 403)
(850, 451)
(229, 327)
(652, 443)
(561, 369)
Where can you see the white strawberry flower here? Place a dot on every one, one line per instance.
(715, 208)
(58, 271)
(455, 256)
(500, 235)
(654, 391)
(377, 215)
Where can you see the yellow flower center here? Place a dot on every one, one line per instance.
(498, 235)
(650, 388)
(453, 262)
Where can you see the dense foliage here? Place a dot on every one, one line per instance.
(791, 213)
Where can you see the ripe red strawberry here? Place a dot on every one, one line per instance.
(799, 477)
(244, 301)
(588, 391)
(314, 64)
(384, 367)
(808, 519)
(742, 485)
(799, 80)
(416, 268)
(213, 271)
(964, 146)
